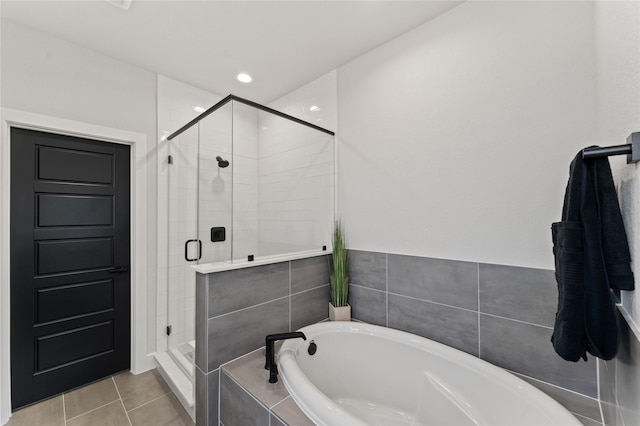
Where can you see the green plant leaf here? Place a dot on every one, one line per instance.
(340, 276)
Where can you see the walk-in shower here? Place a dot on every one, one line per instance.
(244, 182)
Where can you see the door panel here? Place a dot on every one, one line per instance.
(73, 255)
(90, 167)
(73, 210)
(81, 342)
(68, 301)
(70, 313)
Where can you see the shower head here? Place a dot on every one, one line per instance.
(221, 162)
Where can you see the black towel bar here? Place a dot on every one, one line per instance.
(632, 149)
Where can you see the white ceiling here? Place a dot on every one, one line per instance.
(282, 44)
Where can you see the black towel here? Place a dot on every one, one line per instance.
(591, 258)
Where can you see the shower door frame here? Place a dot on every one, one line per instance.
(258, 106)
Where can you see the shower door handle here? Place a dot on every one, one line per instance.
(186, 250)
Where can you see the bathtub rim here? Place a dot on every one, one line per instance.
(290, 371)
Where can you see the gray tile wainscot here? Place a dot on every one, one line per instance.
(235, 310)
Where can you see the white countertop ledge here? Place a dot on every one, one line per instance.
(209, 268)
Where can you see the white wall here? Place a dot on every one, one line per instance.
(49, 76)
(321, 92)
(455, 138)
(62, 84)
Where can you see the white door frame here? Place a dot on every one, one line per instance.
(140, 360)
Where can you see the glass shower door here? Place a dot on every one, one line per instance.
(184, 250)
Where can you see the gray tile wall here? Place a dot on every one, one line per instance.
(236, 309)
(620, 381)
(503, 314)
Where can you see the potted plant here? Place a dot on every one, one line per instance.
(339, 309)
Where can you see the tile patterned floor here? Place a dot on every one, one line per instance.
(121, 400)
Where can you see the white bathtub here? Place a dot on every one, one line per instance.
(369, 375)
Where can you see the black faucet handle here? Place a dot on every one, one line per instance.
(270, 362)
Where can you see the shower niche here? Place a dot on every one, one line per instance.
(244, 182)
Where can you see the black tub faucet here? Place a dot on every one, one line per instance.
(271, 358)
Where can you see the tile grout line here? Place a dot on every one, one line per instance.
(428, 301)
(289, 295)
(386, 278)
(205, 343)
(599, 396)
(519, 321)
(280, 402)
(552, 385)
(456, 307)
(249, 307)
(311, 289)
(121, 401)
(479, 345)
(64, 411)
(92, 410)
(151, 400)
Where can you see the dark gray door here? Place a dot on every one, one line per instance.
(70, 253)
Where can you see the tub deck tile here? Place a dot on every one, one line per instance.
(289, 410)
(250, 373)
(248, 381)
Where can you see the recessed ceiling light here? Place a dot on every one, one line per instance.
(314, 108)
(245, 78)
(198, 109)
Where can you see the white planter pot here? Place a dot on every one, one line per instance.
(341, 313)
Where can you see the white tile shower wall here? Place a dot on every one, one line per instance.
(245, 181)
(295, 174)
(215, 183)
(296, 170)
(229, 196)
